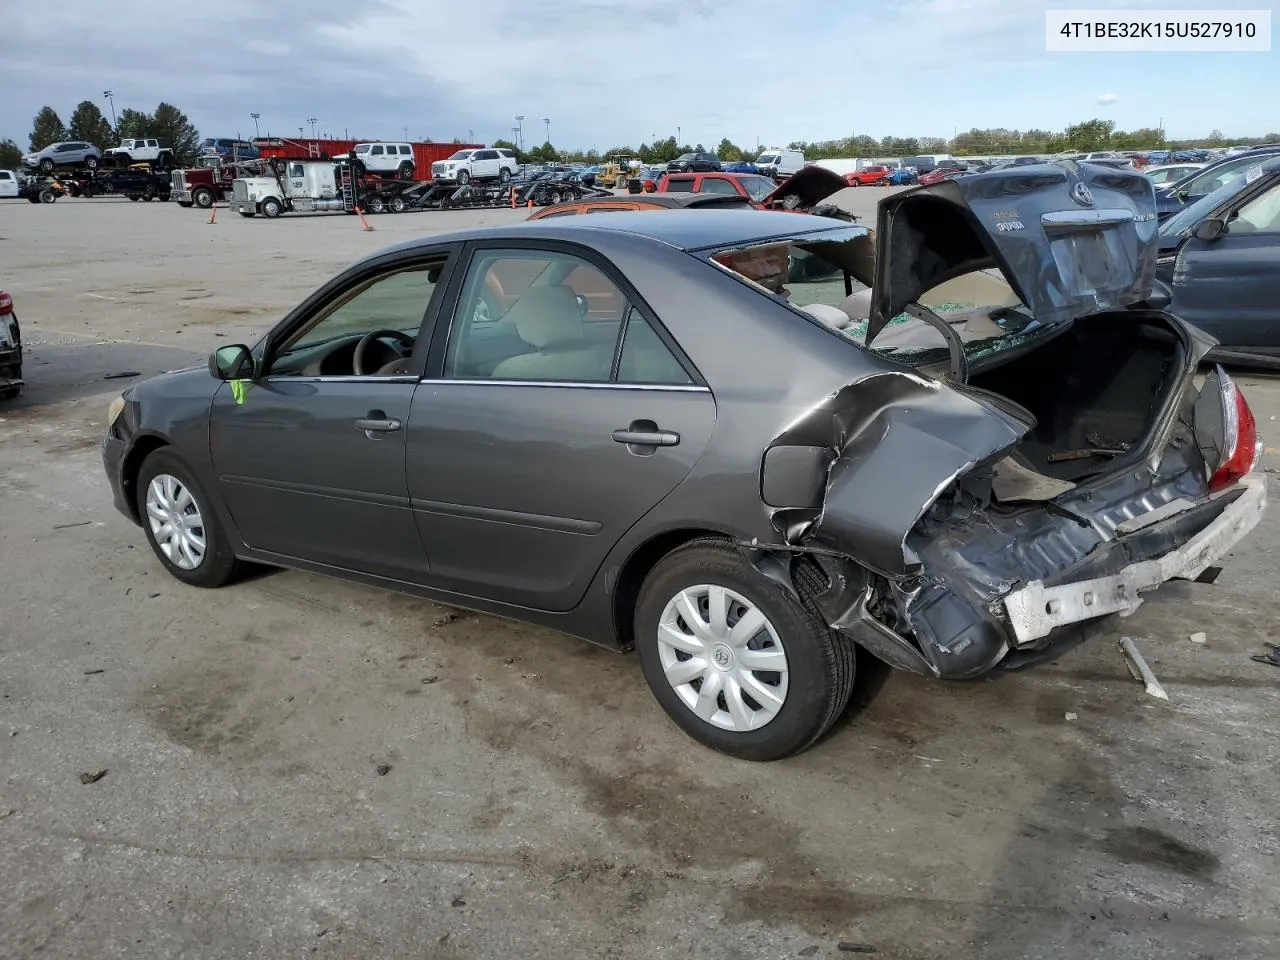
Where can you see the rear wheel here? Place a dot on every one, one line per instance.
(91, 163)
(47, 195)
(376, 205)
(396, 205)
(181, 525)
(504, 175)
(406, 171)
(737, 661)
(855, 182)
(202, 197)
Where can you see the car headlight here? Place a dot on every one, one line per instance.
(114, 411)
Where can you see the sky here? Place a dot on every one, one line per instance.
(613, 72)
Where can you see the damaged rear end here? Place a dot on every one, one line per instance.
(1025, 464)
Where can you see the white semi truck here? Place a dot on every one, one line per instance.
(300, 186)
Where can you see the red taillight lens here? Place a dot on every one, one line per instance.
(1243, 446)
(6, 303)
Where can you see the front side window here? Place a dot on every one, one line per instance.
(1259, 215)
(363, 148)
(296, 171)
(716, 185)
(758, 187)
(395, 302)
(376, 150)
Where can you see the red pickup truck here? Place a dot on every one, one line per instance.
(752, 186)
(869, 177)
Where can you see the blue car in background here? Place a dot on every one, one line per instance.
(903, 177)
(740, 166)
(1172, 198)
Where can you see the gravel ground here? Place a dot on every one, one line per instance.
(296, 766)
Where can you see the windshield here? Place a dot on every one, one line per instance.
(814, 273)
(769, 158)
(1184, 221)
(758, 187)
(686, 156)
(462, 155)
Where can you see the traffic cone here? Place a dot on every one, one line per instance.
(513, 198)
(213, 213)
(360, 214)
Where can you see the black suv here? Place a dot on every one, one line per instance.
(694, 163)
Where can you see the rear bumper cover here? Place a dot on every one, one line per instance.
(1035, 610)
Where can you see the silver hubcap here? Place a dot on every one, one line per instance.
(722, 657)
(175, 521)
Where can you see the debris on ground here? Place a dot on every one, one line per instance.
(90, 673)
(1198, 638)
(444, 619)
(1272, 657)
(809, 951)
(123, 375)
(431, 679)
(846, 946)
(382, 769)
(458, 902)
(68, 526)
(92, 777)
(1073, 716)
(1141, 672)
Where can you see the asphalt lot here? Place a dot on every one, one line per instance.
(538, 803)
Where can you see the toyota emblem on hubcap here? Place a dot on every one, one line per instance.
(722, 656)
(1082, 194)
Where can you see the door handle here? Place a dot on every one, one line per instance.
(378, 426)
(646, 438)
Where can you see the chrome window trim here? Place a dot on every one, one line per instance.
(581, 384)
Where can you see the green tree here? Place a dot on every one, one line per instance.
(46, 128)
(10, 155)
(1090, 135)
(728, 150)
(134, 123)
(88, 123)
(170, 124)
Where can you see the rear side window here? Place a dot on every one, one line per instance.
(645, 358)
(680, 185)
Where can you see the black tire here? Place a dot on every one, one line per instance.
(33, 199)
(48, 196)
(376, 205)
(134, 197)
(202, 197)
(123, 160)
(405, 172)
(464, 177)
(396, 204)
(357, 167)
(855, 182)
(219, 565)
(820, 661)
(504, 175)
(185, 203)
(91, 163)
(271, 208)
(46, 165)
(247, 213)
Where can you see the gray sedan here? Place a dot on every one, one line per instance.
(642, 429)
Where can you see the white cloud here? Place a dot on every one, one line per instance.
(1107, 99)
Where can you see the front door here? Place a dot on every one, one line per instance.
(311, 459)
(1228, 286)
(552, 420)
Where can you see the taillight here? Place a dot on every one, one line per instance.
(6, 303)
(1242, 444)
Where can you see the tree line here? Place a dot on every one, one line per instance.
(166, 123)
(1085, 137)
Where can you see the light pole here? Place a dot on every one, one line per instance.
(255, 116)
(547, 121)
(301, 132)
(312, 121)
(471, 136)
(112, 101)
(520, 131)
(678, 138)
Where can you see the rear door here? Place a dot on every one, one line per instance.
(1228, 286)
(544, 432)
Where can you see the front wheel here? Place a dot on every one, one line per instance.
(202, 198)
(46, 165)
(91, 163)
(737, 661)
(180, 523)
(271, 208)
(48, 196)
(855, 183)
(464, 177)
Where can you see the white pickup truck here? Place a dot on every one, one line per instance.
(9, 184)
(143, 150)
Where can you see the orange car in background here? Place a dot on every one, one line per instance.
(876, 176)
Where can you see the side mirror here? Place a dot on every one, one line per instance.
(233, 362)
(1211, 228)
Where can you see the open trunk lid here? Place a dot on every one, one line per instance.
(1070, 239)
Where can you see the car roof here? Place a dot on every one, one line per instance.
(682, 229)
